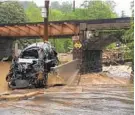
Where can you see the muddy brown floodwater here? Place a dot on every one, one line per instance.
(4, 69)
(95, 94)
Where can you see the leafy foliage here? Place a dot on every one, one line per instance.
(88, 10)
(55, 5)
(12, 12)
(129, 37)
(98, 10)
(33, 13)
(55, 15)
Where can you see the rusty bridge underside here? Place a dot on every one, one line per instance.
(61, 28)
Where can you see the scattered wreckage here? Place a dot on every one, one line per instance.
(31, 67)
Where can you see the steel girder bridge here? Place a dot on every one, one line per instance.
(63, 28)
(67, 28)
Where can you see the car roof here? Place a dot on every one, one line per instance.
(39, 45)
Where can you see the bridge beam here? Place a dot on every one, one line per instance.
(61, 28)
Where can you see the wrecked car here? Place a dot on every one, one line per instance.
(31, 67)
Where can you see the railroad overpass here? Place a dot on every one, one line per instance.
(65, 28)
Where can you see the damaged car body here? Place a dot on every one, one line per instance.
(31, 67)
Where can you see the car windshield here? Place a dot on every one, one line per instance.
(30, 54)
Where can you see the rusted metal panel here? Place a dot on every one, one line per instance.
(62, 28)
(37, 30)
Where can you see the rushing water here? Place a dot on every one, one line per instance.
(90, 99)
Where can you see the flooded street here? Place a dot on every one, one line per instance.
(4, 69)
(95, 94)
(66, 57)
(95, 100)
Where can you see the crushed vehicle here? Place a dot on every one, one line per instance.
(30, 69)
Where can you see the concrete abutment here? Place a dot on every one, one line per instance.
(5, 47)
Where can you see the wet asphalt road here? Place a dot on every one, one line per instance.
(86, 100)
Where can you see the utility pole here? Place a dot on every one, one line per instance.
(74, 5)
(45, 14)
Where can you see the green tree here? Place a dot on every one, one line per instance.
(12, 12)
(33, 13)
(67, 45)
(129, 35)
(99, 9)
(55, 15)
(66, 7)
(55, 5)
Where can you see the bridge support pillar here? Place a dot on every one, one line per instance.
(91, 61)
(90, 57)
(5, 47)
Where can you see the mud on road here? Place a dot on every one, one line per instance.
(95, 94)
(4, 69)
(76, 100)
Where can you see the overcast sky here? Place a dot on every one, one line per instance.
(120, 5)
